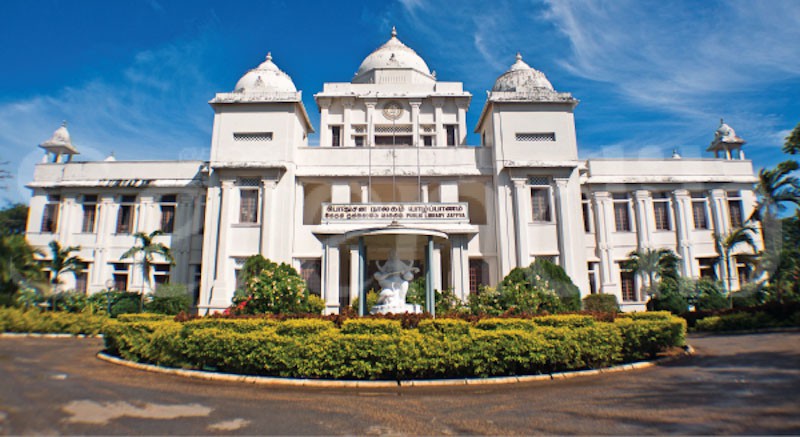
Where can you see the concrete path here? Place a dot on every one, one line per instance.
(747, 384)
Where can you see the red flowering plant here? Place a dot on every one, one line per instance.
(271, 288)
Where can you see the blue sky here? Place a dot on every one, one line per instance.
(135, 77)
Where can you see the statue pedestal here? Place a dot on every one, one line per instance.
(396, 309)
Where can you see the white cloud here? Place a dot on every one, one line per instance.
(154, 108)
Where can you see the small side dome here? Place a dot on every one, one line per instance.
(521, 78)
(393, 54)
(266, 78)
(60, 142)
(726, 133)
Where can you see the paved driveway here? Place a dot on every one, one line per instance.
(736, 384)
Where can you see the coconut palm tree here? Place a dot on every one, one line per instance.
(726, 244)
(652, 264)
(18, 266)
(148, 248)
(776, 188)
(62, 261)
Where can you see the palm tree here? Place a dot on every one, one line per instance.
(651, 264)
(726, 244)
(775, 189)
(62, 261)
(18, 266)
(148, 249)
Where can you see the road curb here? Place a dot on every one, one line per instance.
(41, 335)
(329, 383)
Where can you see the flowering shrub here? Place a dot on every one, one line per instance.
(275, 289)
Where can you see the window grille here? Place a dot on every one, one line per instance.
(428, 129)
(248, 182)
(536, 137)
(539, 180)
(252, 136)
(359, 129)
(393, 129)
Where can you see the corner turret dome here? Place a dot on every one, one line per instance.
(726, 133)
(60, 142)
(392, 55)
(266, 78)
(521, 78)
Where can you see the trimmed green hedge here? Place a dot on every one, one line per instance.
(383, 349)
(50, 322)
(744, 321)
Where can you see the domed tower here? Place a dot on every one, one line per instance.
(263, 119)
(726, 143)
(58, 148)
(530, 129)
(393, 63)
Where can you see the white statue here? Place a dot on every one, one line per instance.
(393, 277)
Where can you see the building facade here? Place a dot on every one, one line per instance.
(392, 171)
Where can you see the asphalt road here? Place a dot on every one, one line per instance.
(747, 384)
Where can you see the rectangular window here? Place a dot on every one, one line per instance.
(592, 267)
(744, 272)
(82, 280)
(540, 204)
(197, 275)
(735, 209)
(120, 276)
(161, 274)
(628, 286)
(168, 205)
(336, 136)
(393, 140)
(699, 212)
(587, 213)
(89, 213)
(202, 224)
(427, 140)
(707, 268)
(452, 131)
(311, 272)
(661, 212)
(359, 140)
(622, 213)
(50, 215)
(535, 137)
(478, 274)
(248, 206)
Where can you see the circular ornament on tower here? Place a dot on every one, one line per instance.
(392, 110)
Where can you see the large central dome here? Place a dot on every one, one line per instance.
(392, 55)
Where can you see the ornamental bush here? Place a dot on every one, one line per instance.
(384, 349)
(601, 303)
(169, 299)
(49, 322)
(272, 288)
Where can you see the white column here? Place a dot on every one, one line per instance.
(105, 227)
(35, 211)
(181, 237)
(330, 275)
(66, 220)
(462, 122)
(324, 130)
(568, 239)
(604, 220)
(684, 225)
(438, 102)
(210, 237)
(521, 219)
(267, 188)
(370, 104)
(448, 191)
(347, 140)
(354, 260)
(645, 219)
(221, 296)
(436, 266)
(719, 211)
(340, 191)
(364, 192)
(459, 260)
(415, 104)
(425, 192)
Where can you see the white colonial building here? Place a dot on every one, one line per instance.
(392, 171)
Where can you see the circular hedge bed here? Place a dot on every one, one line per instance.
(369, 349)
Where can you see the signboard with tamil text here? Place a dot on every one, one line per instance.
(455, 212)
